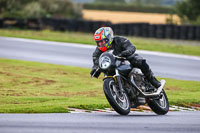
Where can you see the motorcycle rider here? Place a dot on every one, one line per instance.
(121, 47)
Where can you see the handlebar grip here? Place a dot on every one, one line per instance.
(122, 58)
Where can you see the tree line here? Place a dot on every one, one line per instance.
(40, 8)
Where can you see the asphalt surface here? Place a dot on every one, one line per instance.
(136, 122)
(162, 64)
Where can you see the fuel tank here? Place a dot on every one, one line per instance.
(124, 68)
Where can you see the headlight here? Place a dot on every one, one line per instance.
(104, 62)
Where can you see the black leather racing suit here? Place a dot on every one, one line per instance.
(123, 47)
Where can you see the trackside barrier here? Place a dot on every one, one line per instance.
(184, 32)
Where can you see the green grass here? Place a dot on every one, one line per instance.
(162, 45)
(30, 87)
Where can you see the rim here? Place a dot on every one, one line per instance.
(162, 102)
(121, 100)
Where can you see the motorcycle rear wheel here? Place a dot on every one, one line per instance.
(160, 105)
(120, 104)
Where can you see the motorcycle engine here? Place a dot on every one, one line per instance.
(139, 81)
(138, 78)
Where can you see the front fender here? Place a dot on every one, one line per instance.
(115, 79)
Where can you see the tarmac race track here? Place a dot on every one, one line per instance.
(135, 122)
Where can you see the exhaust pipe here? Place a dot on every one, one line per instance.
(150, 94)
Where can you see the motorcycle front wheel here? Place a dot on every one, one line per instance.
(160, 105)
(119, 102)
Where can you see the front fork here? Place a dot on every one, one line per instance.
(118, 78)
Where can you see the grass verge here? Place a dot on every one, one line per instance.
(30, 87)
(162, 45)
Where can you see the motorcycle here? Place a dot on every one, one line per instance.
(125, 86)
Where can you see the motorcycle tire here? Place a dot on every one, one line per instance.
(115, 101)
(160, 105)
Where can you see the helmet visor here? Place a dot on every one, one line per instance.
(102, 43)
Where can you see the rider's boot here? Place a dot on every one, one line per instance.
(149, 74)
(152, 79)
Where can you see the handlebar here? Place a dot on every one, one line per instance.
(120, 58)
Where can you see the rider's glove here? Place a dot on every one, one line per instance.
(95, 73)
(92, 72)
